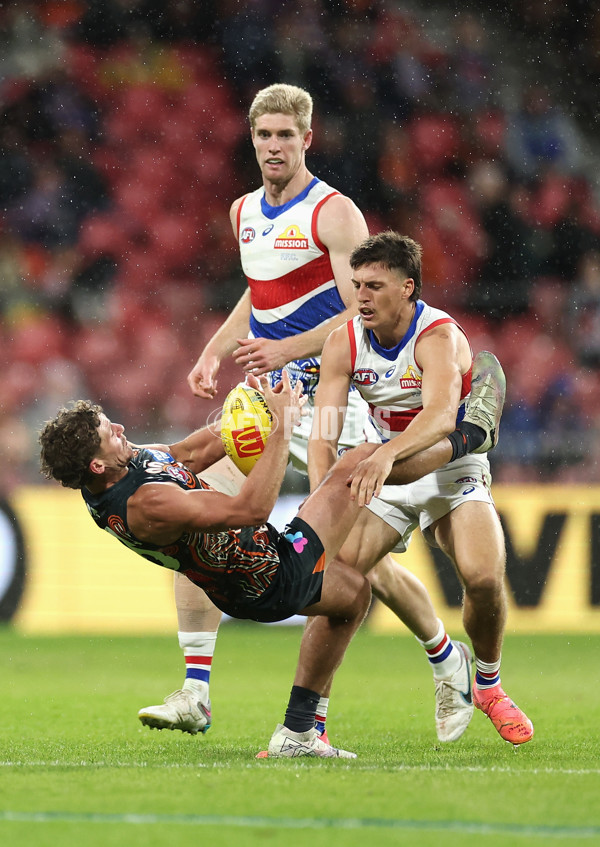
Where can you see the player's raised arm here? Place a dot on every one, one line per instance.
(200, 449)
(331, 402)
(160, 512)
(341, 226)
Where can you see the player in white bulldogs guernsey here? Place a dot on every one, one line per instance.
(390, 380)
(413, 365)
(295, 234)
(293, 290)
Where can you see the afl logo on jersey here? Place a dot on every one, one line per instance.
(365, 376)
(291, 239)
(248, 235)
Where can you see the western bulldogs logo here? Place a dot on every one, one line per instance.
(307, 366)
(365, 376)
(248, 235)
(305, 370)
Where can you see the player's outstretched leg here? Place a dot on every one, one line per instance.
(182, 710)
(486, 401)
(512, 723)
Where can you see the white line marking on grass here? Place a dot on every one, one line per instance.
(299, 764)
(471, 827)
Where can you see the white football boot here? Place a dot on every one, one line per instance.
(486, 401)
(182, 710)
(285, 743)
(454, 699)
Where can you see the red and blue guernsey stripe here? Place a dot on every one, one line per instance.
(309, 315)
(301, 299)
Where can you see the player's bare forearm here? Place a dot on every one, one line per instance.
(261, 488)
(321, 458)
(224, 340)
(425, 430)
(199, 450)
(261, 355)
(259, 492)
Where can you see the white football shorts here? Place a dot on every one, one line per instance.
(423, 502)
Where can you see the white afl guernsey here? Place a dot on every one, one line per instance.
(390, 379)
(292, 286)
(292, 290)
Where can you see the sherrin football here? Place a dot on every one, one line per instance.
(245, 426)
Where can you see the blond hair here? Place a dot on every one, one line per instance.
(286, 100)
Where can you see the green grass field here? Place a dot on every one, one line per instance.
(76, 767)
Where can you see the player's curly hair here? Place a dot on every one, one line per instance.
(395, 252)
(284, 99)
(69, 442)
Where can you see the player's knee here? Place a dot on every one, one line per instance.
(389, 580)
(357, 591)
(362, 597)
(484, 586)
(359, 558)
(365, 598)
(379, 585)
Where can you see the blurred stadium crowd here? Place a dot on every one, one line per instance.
(124, 139)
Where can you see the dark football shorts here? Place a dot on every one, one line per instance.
(296, 583)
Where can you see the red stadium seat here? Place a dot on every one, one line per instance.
(38, 340)
(552, 199)
(175, 240)
(137, 201)
(435, 141)
(103, 235)
(490, 131)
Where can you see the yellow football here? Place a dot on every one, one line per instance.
(246, 422)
